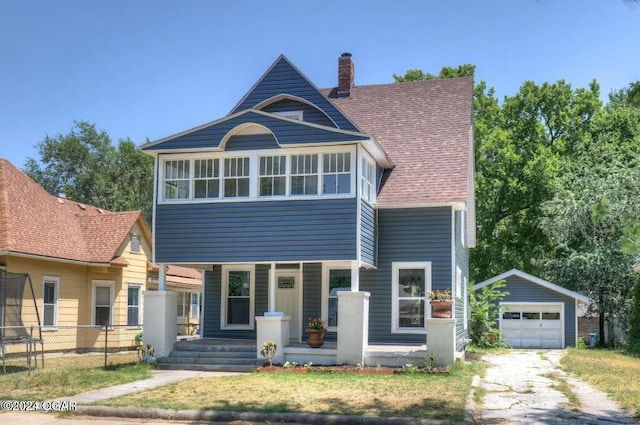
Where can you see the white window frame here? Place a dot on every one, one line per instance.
(188, 179)
(395, 313)
(465, 308)
(273, 175)
(56, 291)
(324, 305)
(182, 312)
(458, 282)
(137, 286)
(368, 180)
(225, 290)
(228, 176)
(305, 173)
(215, 162)
(194, 308)
(462, 227)
(295, 115)
(336, 172)
(102, 283)
(254, 171)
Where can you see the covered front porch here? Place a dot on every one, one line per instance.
(262, 302)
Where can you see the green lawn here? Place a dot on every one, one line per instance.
(418, 395)
(610, 371)
(56, 381)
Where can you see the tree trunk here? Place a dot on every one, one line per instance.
(601, 320)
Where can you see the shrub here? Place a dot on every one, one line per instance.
(485, 309)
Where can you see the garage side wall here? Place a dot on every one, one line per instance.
(526, 292)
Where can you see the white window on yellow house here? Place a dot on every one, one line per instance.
(102, 303)
(50, 288)
(135, 243)
(133, 305)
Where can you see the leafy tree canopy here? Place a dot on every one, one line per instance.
(87, 167)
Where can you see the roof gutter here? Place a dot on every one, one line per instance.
(56, 259)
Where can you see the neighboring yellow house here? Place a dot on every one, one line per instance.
(89, 267)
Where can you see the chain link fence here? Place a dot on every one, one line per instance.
(68, 347)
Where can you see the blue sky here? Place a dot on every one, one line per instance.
(148, 69)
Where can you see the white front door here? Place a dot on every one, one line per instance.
(287, 299)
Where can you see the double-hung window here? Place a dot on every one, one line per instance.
(238, 297)
(411, 282)
(336, 173)
(236, 177)
(195, 305)
(206, 178)
(368, 186)
(177, 179)
(304, 174)
(133, 305)
(50, 301)
(273, 175)
(102, 303)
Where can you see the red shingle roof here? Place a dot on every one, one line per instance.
(424, 126)
(36, 223)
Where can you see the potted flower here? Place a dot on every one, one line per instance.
(315, 332)
(441, 302)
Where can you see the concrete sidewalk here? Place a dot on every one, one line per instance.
(159, 378)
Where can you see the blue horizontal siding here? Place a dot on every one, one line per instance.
(286, 132)
(367, 233)
(284, 78)
(249, 142)
(309, 113)
(412, 234)
(291, 230)
(525, 292)
(462, 261)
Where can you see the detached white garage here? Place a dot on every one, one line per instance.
(537, 313)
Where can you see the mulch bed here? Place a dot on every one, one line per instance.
(341, 369)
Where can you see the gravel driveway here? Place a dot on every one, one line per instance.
(521, 387)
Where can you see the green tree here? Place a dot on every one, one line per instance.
(466, 70)
(85, 165)
(520, 146)
(595, 204)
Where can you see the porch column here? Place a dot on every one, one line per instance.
(355, 277)
(441, 340)
(353, 327)
(162, 276)
(272, 288)
(272, 328)
(159, 326)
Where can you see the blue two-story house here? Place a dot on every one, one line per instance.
(300, 193)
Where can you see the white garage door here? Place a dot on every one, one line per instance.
(533, 325)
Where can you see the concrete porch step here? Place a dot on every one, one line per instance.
(211, 355)
(214, 354)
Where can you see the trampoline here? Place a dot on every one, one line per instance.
(12, 328)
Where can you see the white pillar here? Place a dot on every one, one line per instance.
(272, 287)
(276, 329)
(441, 340)
(162, 276)
(159, 326)
(355, 277)
(353, 327)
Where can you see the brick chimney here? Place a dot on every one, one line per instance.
(345, 75)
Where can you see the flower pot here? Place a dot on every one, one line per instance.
(441, 309)
(315, 338)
